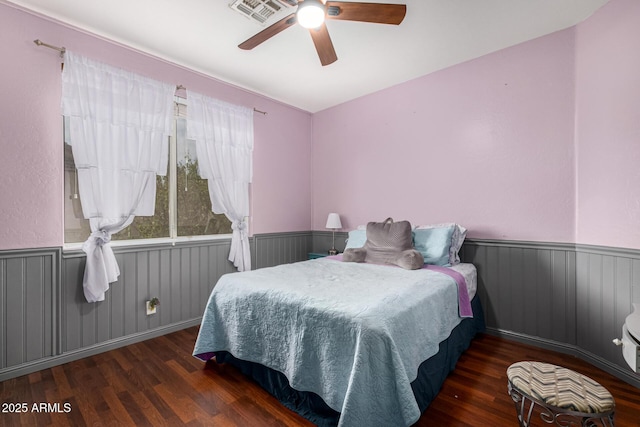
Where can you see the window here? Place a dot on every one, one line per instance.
(183, 206)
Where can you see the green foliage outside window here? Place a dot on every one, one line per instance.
(149, 227)
(195, 217)
(194, 214)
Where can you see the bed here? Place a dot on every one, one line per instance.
(344, 344)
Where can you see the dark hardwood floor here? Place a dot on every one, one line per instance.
(159, 383)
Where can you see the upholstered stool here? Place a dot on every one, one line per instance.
(564, 396)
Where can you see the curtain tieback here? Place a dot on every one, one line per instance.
(240, 226)
(101, 268)
(239, 253)
(100, 237)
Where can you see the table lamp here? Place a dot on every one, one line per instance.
(333, 222)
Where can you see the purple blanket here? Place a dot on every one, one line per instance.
(464, 305)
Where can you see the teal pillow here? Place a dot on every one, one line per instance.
(356, 239)
(434, 244)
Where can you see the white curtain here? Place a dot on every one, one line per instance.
(224, 144)
(119, 124)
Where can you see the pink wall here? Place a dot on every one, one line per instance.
(30, 135)
(488, 144)
(536, 142)
(608, 126)
(31, 142)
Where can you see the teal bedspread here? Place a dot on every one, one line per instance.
(354, 334)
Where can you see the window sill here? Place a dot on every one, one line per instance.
(141, 243)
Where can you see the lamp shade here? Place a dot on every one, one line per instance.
(333, 221)
(310, 14)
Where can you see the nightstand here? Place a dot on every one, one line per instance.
(314, 255)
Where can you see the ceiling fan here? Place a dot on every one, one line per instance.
(311, 14)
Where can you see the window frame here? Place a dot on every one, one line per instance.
(173, 201)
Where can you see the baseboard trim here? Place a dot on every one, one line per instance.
(40, 364)
(572, 350)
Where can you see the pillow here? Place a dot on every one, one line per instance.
(434, 244)
(354, 255)
(459, 234)
(356, 239)
(386, 242)
(457, 239)
(389, 236)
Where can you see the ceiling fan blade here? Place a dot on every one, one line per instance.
(324, 46)
(380, 13)
(268, 32)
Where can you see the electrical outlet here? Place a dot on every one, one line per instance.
(150, 310)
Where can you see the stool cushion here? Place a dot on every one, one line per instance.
(560, 387)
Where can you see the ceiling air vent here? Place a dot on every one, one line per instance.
(264, 12)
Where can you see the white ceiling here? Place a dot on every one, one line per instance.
(203, 35)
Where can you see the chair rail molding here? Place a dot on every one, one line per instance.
(564, 297)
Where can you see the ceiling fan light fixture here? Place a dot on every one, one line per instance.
(310, 14)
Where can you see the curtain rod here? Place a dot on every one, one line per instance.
(62, 50)
(180, 87)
